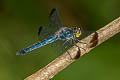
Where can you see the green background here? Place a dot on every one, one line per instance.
(19, 23)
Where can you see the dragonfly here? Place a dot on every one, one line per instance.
(58, 33)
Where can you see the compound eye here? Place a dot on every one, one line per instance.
(75, 28)
(79, 29)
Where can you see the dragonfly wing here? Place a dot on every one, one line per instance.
(54, 25)
(54, 19)
(85, 33)
(39, 31)
(44, 32)
(61, 46)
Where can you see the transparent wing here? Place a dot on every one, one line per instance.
(54, 25)
(44, 32)
(85, 33)
(61, 46)
(54, 19)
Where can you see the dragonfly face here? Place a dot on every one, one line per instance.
(77, 32)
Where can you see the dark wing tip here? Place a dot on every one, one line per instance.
(53, 10)
(40, 30)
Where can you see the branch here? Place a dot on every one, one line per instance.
(66, 59)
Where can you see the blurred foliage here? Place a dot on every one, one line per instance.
(20, 20)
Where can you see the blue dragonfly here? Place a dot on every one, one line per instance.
(59, 32)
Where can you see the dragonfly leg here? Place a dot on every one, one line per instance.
(66, 42)
(80, 41)
(79, 51)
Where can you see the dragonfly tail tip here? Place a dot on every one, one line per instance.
(20, 52)
(17, 53)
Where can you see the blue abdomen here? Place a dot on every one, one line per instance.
(37, 45)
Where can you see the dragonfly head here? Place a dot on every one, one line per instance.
(77, 32)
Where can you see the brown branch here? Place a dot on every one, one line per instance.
(66, 59)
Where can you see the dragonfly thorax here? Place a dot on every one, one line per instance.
(65, 33)
(68, 33)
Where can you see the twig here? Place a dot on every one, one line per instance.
(66, 59)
